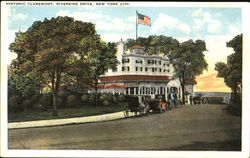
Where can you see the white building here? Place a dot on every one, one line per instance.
(141, 74)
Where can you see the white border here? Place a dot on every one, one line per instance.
(102, 153)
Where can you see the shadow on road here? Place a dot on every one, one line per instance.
(233, 145)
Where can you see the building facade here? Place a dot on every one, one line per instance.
(141, 74)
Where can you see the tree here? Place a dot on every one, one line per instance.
(188, 61)
(48, 47)
(232, 70)
(102, 58)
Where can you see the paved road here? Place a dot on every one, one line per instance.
(192, 127)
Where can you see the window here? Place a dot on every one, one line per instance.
(138, 61)
(123, 68)
(146, 69)
(159, 62)
(153, 70)
(136, 90)
(128, 68)
(125, 60)
(161, 90)
(150, 61)
(127, 90)
(132, 90)
(136, 68)
(143, 90)
(141, 68)
(152, 90)
(148, 90)
(159, 69)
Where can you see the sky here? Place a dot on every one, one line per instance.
(214, 25)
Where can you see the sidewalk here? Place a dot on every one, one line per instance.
(55, 122)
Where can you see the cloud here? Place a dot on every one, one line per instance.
(103, 22)
(131, 18)
(210, 83)
(115, 24)
(114, 37)
(14, 16)
(204, 19)
(83, 16)
(167, 22)
(234, 29)
(214, 26)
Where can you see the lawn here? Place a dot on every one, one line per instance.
(32, 115)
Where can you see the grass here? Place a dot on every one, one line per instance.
(33, 115)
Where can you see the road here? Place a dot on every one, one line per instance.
(191, 127)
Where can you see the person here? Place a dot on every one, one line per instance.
(191, 99)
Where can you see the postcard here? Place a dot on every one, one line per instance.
(124, 79)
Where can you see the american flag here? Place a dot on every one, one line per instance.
(144, 19)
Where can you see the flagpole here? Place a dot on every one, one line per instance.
(136, 25)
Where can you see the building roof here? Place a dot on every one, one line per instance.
(136, 46)
(135, 78)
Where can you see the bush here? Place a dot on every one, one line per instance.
(73, 101)
(92, 98)
(15, 104)
(84, 98)
(27, 104)
(106, 103)
(46, 101)
(121, 98)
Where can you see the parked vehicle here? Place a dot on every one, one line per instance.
(200, 100)
(158, 104)
(136, 104)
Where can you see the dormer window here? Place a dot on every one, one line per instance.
(138, 61)
(150, 61)
(125, 60)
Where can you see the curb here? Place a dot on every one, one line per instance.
(55, 122)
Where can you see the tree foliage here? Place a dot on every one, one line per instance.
(50, 48)
(232, 70)
(155, 44)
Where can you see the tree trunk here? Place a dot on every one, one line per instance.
(235, 93)
(182, 82)
(96, 88)
(54, 112)
(183, 94)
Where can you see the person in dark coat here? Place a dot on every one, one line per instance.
(191, 100)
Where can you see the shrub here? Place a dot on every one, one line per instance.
(46, 101)
(27, 104)
(73, 100)
(121, 98)
(15, 104)
(84, 98)
(61, 102)
(92, 98)
(115, 99)
(106, 103)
